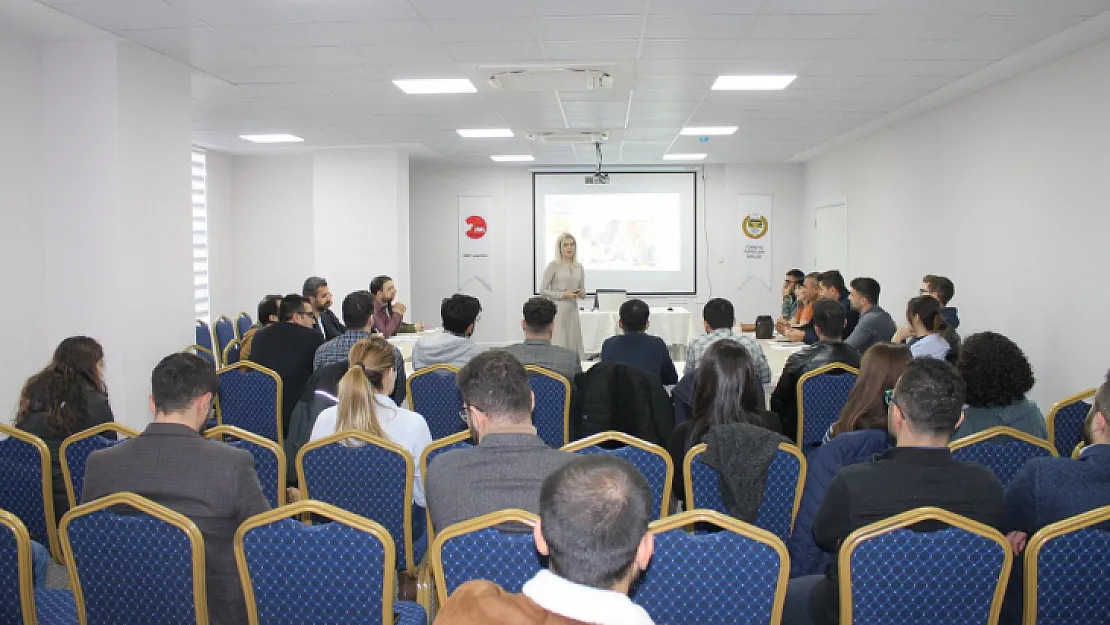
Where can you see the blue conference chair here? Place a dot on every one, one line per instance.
(76, 449)
(437, 447)
(552, 413)
(435, 396)
(233, 352)
(250, 399)
(652, 460)
(1003, 450)
(224, 331)
(26, 485)
(1067, 571)
(20, 603)
(269, 459)
(242, 324)
(1065, 421)
(486, 547)
(822, 394)
(204, 346)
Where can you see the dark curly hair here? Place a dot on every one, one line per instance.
(995, 369)
(58, 390)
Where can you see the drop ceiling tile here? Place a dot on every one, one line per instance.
(593, 27)
(804, 26)
(252, 74)
(380, 33)
(594, 50)
(281, 36)
(217, 13)
(881, 49)
(717, 67)
(484, 30)
(1028, 29)
(569, 8)
(131, 14)
(705, 7)
(935, 7)
(822, 7)
(1086, 8)
(780, 49)
(671, 82)
(454, 9)
(349, 10)
(688, 49)
(672, 95)
(178, 43)
(969, 50)
(601, 95)
(907, 27)
(496, 52)
(400, 53)
(699, 26)
(426, 69)
(330, 56)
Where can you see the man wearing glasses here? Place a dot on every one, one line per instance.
(288, 348)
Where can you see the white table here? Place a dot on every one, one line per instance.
(671, 325)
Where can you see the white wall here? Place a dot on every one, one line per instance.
(434, 191)
(1007, 193)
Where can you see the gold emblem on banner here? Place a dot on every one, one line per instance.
(755, 226)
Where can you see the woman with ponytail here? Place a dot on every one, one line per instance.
(927, 327)
(364, 405)
(67, 397)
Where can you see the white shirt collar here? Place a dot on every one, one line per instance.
(582, 603)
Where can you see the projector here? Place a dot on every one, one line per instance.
(597, 178)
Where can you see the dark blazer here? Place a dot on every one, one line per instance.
(850, 323)
(288, 349)
(99, 412)
(784, 400)
(642, 350)
(332, 326)
(211, 483)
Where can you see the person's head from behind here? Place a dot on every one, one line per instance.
(726, 388)
(58, 390)
(793, 278)
(594, 515)
(866, 408)
(269, 309)
(634, 316)
(1096, 430)
(370, 372)
(832, 285)
(923, 315)
(182, 388)
(863, 294)
(995, 369)
(383, 289)
(459, 313)
(82, 358)
(718, 314)
(495, 393)
(298, 310)
(938, 287)
(316, 291)
(829, 319)
(566, 247)
(358, 310)
(927, 404)
(539, 318)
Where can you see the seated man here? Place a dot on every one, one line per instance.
(268, 310)
(538, 326)
(288, 349)
(171, 464)
(828, 322)
(875, 324)
(388, 314)
(594, 515)
(510, 462)
(452, 346)
(799, 328)
(636, 346)
(316, 291)
(925, 409)
(794, 277)
(719, 319)
(833, 287)
(358, 316)
(942, 289)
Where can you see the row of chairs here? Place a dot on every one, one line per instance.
(221, 344)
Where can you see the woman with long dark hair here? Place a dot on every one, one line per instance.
(926, 327)
(882, 365)
(66, 397)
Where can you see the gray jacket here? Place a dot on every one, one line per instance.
(444, 349)
(551, 357)
(875, 326)
(1022, 415)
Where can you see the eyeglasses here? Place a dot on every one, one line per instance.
(888, 398)
(923, 291)
(464, 414)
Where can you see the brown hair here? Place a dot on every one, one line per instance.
(370, 360)
(882, 365)
(58, 390)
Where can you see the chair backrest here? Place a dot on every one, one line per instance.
(203, 352)
(822, 394)
(204, 335)
(477, 549)
(1003, 450)
(892, 574)
(369, 476)
(435, 448)
(250, 399)
(1075, 453)
(551, 415)
(17, 594)
(233, 352)
(26, 485)
(75, 452)
(435, 396)
(243, 323)
(224, 332)
(737, 575)
(782, 493)
(1065, 421)
(128, 565)
(652, 460)
(269, 459)
(338, 572)
(1067, 571)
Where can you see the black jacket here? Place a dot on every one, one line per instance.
(625, 398)
(784, 401)
(850, 323)
(643, 350)
(332, 325)
(288, 349)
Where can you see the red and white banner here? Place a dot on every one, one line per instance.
(474, 241)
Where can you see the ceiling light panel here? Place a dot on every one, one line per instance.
(684, 157)
(423, 86)
(512, 158)
(752, 83)
(277, 138)
(708, 131)
(485, 133)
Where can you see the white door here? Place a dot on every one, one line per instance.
(831, 251)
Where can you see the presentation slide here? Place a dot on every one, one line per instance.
(634, 234)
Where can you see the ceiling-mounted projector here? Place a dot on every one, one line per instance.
(597, 179)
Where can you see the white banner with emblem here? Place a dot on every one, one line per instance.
(474, 241)
(756, 212)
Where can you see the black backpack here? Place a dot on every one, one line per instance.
(764, 327)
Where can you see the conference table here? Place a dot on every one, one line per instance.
(670, 324)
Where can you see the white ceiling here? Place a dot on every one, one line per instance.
(321, 69)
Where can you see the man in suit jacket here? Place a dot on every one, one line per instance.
(288, 348)
(636, 346)
(316, 291)
(538, 326)
(171, 464)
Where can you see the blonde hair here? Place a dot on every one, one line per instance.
(559, 247)
(370, 360)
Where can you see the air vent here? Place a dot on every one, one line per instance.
(551, 79)
(569, 136)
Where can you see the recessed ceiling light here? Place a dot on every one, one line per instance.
(684, 157)
(485, 133)
(435, 85)
(705, 131)
(280, 138)
(752, 83)
(513, 158)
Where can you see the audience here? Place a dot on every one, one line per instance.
(832, 287)
(925, 411)
(793, 279)
(799, 328)
(926, 326)
(388, 314)
(288, 349)
(268, 311)
(316, 291)
(365, 405)
(170, 463)
(828, 323)
(875, 324)
(358, 315)
(866, 408)
(452, 346)
(539, 326)
(510, 462)
(636, 347)
(998, 375)
(719, 318)
(594, 515)
(943, 290)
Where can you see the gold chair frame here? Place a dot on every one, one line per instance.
(632, 441)
(832, 366)
(118, 428)
(493, 519)
(1050, 418)
(700, 448)
(537, 370)
(434, 445)
(999, 431)
(1038, 541)
(47, 486)
(24, 565)
(218, 432)
(253, 366)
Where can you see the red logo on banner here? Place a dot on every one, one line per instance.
(477, 228)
